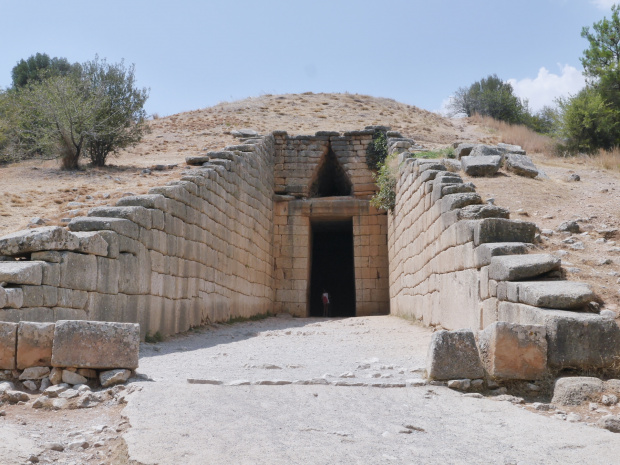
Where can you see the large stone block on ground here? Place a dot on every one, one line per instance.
(21, 272)
(482, 150)
(513, 351)
(521, 165)
(577, 390)
(8, 343)
(463, 150)
(453, 355)
(561, 295)
(94, 344)
(580, 341)
(485, 252)
(516, 267)
(34, 344)
(481, 166)
(34, 240)
(504, 230)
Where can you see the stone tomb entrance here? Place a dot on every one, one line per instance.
(332, 267)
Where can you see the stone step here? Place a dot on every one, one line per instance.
(485, 252)
(520, 267)
(561, 295)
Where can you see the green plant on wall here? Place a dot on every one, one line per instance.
(385, 177)
(377, 150)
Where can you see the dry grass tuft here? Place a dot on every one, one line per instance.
(517, 134)
(608, 160)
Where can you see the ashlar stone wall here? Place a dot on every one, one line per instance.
(196, 250)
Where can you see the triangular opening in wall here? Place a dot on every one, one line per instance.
(330, 178)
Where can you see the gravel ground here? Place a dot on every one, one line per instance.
(331, 419)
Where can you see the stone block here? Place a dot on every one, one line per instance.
(460, 200)
(92, 344)
(108, 272)
(38, 239)
(112, 239)
(513, 351)
(480, 212)
(34, 344)
(138, 215)
(521, 165)
(576, 390)
(39, 296)
(21, 272)
(118, 225)
(561, 295)
(463, 150)
(91, 242)
(484, 252)
(8, 345)
(14, 297)
(453, 355)
(504, 230)
(482, 150)
(152, 201)
(78, 271)
(481, 166)
(517, 267)
(3, 297)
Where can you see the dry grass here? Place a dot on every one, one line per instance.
(516, 134)
(607, 160)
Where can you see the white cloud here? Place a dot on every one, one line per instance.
(604, 4)
(544, 88)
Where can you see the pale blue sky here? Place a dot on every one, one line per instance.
(195, 54)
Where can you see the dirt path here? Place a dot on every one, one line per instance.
(391, 417)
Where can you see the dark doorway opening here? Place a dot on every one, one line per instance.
(332, 268)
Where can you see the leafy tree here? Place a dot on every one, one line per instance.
(122, 119)
(490, 97)
(601, 61)
(59, 115)
(37, 67)
(93, 111)
(587, 123)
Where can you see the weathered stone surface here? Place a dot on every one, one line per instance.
(196, 161)
(563, 295)
(577, 390)
(459, 200)
(78, 272)
(91, 242)
(152, 201)
(34, 344)
(71, 377)
(3, 297)
(482, 150)
(13, 397)
(35, 373)
(479, 212)
(569, 226)
(138, 215)
(22, 272)
(91, 344)
(510, 148)
(453, 355)
(14, 297)
(463, 150)
(481, 165)
(118, 225)
(515, 267)
(38, 239)
(56, 376)
(610, 423)
(459, 384)
(521, 165)
(485, 252)
(503, 230)
(112, 377)
(8, 340)
(575, 340)
(513, 351)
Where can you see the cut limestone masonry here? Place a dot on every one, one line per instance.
(270, 224)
